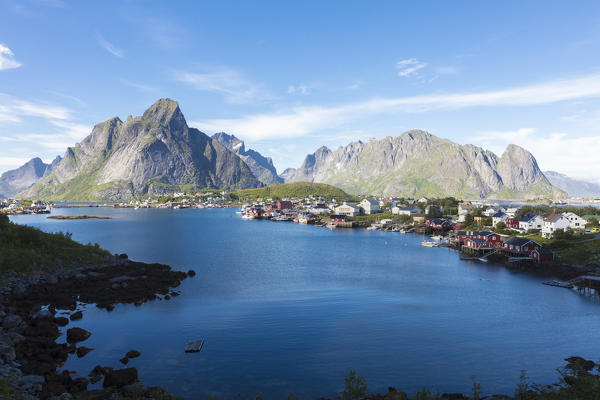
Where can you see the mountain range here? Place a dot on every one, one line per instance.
(417, 163)
(22, 178)
(575, 187)
(151, 154)
(158, 153)
(262, 167)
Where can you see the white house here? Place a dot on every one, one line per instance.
(370, 206)
(531, 222)
(405, 210)
(562, 221)
(575, 221)
(347, 210)
(499, 217)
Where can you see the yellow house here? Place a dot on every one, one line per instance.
(479, 220)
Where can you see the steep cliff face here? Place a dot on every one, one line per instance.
(417, 163)
(262, 167)
(574, 187)
(17, 180)
(151, 154)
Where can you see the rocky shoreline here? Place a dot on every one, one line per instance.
(34, 308)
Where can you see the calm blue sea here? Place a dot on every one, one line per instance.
(286, 308)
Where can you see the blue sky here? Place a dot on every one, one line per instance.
(288, 78)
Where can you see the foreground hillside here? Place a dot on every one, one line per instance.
(417, 163)
(151, 154)
(27, 249)
(296, 189)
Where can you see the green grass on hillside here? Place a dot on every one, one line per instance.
(26, 249)
(294, 189)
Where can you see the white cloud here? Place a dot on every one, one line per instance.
(7, 58)
(302, 121)
(225, 81)
(575, 156)
(106, 45)
(298, 89)
(12, 110)
(409, 67)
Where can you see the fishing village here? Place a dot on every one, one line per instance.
(519, 237)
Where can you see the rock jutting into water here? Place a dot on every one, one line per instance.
(30, 355)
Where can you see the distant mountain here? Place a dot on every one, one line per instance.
(262, 167)
(17, 180)
(151, 154)
(574, 187)
(417, 163)
(288, 174)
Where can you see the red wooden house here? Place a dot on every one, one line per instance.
(541, 255)
(284, 205)
(337, 218)
(516, 246)
(512, 223)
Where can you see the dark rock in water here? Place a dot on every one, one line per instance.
(96, 374)
(191, 273)
(110, 307)
(75, 335)
(133, 354)
(76, 315)
(120, 377)
(61, 321)
(167, 297)
(124, 360)
(173, 294)
(82, 351)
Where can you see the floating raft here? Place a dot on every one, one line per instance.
(194, 346)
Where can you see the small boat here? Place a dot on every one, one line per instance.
(566, 285)
(395, 229)
(429, 243)
(483, 259)
(372, 228)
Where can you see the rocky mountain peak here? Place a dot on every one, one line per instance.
(165, 112)
(262, 167)
(231, 142)
(152, 154)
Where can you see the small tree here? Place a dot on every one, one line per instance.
(501, 225)
(355, 387)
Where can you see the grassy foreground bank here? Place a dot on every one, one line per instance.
(26, 249)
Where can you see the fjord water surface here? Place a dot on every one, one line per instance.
(286, 308)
